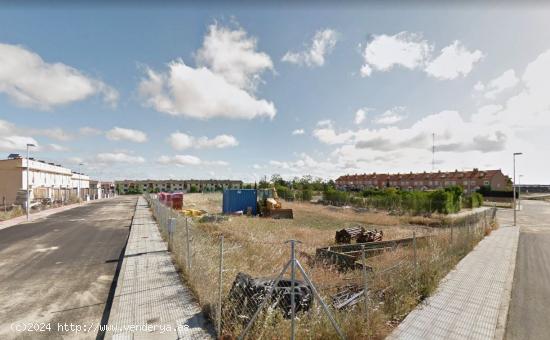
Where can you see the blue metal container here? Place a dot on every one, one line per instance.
(239, 200)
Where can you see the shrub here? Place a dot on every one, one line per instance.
(474, 200)
(307, 194)
(335, 196)
(283, 192)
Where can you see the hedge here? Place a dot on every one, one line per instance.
(445, 201)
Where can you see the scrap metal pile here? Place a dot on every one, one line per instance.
(347, 296)
(359, 234)
(248, 293)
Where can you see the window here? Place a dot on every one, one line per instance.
(486, 183)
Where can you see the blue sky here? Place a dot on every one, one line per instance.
(201, 92)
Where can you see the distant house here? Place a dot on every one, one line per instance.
(469, 180)
(172, 185)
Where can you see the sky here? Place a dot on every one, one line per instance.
(243, 91)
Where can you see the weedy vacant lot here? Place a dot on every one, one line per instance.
(313, 224)
(399, 280)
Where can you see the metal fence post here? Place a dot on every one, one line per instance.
(320, 300)
(469, 237)
(171, 230)
(365, 283)
(188, 246)
(415, 259)
(220, 277)
(292, 279)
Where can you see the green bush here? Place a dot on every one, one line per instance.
(307, 194)
(284, 192)
(336, 196)
(474, 200)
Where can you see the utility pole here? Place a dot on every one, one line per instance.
(28, 191)
(514, 183)
(433, 152)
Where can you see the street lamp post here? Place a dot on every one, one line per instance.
(79, 181)
(28, 191)
(514, 184)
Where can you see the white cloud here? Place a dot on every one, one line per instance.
(326, 122)
(89, 131)
(485, 138)
(180, 141)
(361, 115)
(119, 157)
(298, 132)
(304, 164)
(222, 85)
(328, 135)
(479, 86)
(118, 133)
(200, 93)
(322, 44)
(411, 51)
(53, 133)
(11, 140)
(391, 116)
(506, 80)
(455, 60)
(185, 160)
(31, 82)
(404, 49)
(16, 143)
(232, 55)
(57, 147)
(219, 142)
(75, 160)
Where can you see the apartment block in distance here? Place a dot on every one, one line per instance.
(172, 185)
(469, 180)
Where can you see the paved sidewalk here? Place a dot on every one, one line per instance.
(149, 292)
(41, 214)
(472, 300)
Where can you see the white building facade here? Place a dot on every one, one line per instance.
(45, 181)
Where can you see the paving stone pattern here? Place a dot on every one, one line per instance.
(150, 292)
(471, 299)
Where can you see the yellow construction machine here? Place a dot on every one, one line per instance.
(269, 204)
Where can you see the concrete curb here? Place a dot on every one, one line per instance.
(42, 214)
(507, 293)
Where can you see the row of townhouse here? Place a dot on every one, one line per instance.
(46, 181)
(172, 185)
(469, 180)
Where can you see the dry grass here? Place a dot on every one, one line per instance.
(12, 213)
(314, 225)
(256, 246)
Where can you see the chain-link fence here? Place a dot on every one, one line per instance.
(260, 289)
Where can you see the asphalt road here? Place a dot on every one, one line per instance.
(60, 269)
(529, 313)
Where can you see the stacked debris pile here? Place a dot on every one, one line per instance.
(248, 293)
(370, 236)
(359, 234)
(347, 296)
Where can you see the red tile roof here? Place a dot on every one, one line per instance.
(452, 175)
